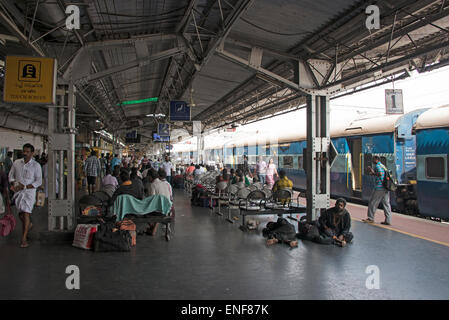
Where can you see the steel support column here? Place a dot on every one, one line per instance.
(317, 165)
(61, 160)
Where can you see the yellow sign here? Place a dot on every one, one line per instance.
(30, 79)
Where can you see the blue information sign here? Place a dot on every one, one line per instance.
(163, 129)
(179, 111)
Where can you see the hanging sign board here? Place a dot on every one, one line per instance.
(179, 111)
(30, 80)
(393, 101)
(163, 129)
(196, 128)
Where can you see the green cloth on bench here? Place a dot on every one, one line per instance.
(127, 204)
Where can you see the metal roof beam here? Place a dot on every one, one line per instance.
(11, 26)
(106, 44)
(264, 72)
(133, 64)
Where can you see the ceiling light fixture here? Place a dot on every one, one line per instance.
(154, 99)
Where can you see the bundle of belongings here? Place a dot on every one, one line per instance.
(200, 197)
(118, 232)
(106, 236)
(96, 204)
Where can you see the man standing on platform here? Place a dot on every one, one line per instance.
(25, 177)
(261, 170)
(379, 194)
(168, 167)
(92, 169)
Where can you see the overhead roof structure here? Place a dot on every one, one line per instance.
(233, 61)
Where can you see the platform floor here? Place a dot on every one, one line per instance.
(209, 258)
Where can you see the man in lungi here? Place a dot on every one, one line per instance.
(25, 177)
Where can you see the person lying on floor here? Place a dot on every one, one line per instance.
(280, 231)
(336, 223)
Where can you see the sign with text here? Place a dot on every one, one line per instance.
(179, 111)
(393, 101)
(30, 80)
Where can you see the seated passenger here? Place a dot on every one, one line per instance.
(116, 174)
(232, 175)
(109, 179)
(336, 223)
(190, 169)
(148, 181)
(127, 187)
(197, 174)
(223, 177)
(160, 186)
(241, 180)
(135, 179)
(283, 183)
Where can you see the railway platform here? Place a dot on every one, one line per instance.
(211, 259)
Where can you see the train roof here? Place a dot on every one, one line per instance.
(367, 126)
(434, 118)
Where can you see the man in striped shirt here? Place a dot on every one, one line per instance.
(92, 169)
(380, 194)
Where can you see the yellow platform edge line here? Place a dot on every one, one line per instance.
(404, 232)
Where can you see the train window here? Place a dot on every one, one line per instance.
(435, 168)
(287, 162)
(300, 162)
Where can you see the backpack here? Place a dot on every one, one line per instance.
(388, 181)
(107, 238)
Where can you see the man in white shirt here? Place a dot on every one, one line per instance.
(160, 186)
(167, 166)
(25, 177)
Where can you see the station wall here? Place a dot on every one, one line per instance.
(11, 140)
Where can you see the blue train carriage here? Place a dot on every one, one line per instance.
(432, 135)
(389, 137)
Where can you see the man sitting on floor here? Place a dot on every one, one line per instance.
(336, 223)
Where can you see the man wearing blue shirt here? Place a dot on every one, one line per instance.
(380, 194)
(115, 161)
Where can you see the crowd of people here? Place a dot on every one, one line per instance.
(142, 177)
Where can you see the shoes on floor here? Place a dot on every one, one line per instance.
(368, 221)
(386, 223)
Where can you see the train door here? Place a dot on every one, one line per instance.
(355, 146)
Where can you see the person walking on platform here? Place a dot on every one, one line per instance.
(271, 172)
(25, 177)
(92, 169)
(261, 170)
(168, 167)
(380, 194)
